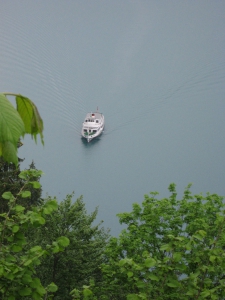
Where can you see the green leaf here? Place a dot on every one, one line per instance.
(15, 228)
(52, 287)
(16, 248)
(153, 277)
(171, 236)
(179, 238)
(23, 175)
(19, 208)
(75, 293)
(36, 249)
(132, 297)
(122, 262)
(140, 284)
(193, 276)
(205, 293)
(142, 296)
(37, 219)
(202, 233)
(10, 238)
(211, 269)
(188, 246)
(198, 236)
(150, 262)
(26, 278)
(87, 292)
(30, 116)
(56, 249)
(173, 283)
(7, 195)
(40, 290)
(166, 247)
(9, 276)
(212, 258)
(26, 194)
(36, 296)
(25, 291)
(177, 256)
(50, 206)
(1, 270)
(9, 152)
(191, 292)
(16, 270)
(20, 236)
(11, 129)
(36, 184)
(130, 274)
(35, 282)
(63, 241)
(28, 262)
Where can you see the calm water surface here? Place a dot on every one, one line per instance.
(155, 71)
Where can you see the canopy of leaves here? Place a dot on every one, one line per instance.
(15, 123)
(11, 181)
(74, 267)
(171, 249)
(18, 258)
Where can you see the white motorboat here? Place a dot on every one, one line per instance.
(93, 125)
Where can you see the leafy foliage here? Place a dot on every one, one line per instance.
(30, 116)
(171, 249)
(11, 180)
(16, 123)
(17, 260)
(80, 262)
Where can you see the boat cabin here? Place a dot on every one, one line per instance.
(90, 120)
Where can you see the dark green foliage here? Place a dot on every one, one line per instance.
(12, 182)
(18, 258)
(9, 181)
(171, 249)
(82, 258)
(34, 188)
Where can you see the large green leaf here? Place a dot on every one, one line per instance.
(30, 116)
(11, 129)
(25, 291)
(63, 241)
(52, 287)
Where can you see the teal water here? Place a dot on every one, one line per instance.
(156, 72)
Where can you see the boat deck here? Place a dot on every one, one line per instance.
(93, 116)
(93, 120)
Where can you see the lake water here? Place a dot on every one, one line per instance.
(155, 70)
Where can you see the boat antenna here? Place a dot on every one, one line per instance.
(97, 108)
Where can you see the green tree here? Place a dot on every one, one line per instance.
(17, 261)
(18, 278)
(15, 123)
(80, 262)
(10, 181)
(170, 249)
